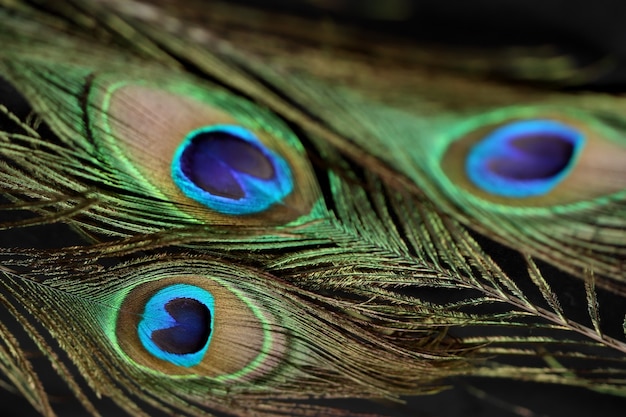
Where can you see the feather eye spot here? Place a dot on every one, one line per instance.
(524, 158)
(185, 322)
(191, 331)
(228, 169)
(177, 324)
(200, 155)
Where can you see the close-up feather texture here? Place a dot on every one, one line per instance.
(308, 208)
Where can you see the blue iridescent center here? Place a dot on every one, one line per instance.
(228, 169)
(525, 158)
(177, 324)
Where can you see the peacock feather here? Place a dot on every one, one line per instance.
(271, 213)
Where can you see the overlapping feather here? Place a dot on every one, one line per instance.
(379, 274)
